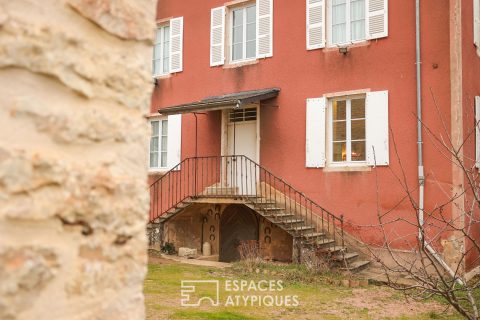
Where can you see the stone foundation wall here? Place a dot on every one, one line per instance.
(275, 243)
(74, 86)
(185, 230)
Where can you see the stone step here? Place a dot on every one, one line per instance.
(266, 203)
(313, 235)
(172, 212)
(332, 250)
(324, 242)
(168, 216)
(179, 207)
(224, 196)
(341, 257)
(280, 215)
(270, 209)
(356, 266)
(221, 191)
(302, 228)
(291, 221)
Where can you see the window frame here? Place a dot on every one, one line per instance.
(348, 31)
(161, 121)
(242, 7)
(161, 60)
(348, 141)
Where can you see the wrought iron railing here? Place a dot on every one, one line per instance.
(242, 178)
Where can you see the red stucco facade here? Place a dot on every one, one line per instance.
(383, 64)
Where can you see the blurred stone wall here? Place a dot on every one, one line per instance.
(74, 86)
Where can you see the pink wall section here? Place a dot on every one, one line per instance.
(384, 64)
(471, 88)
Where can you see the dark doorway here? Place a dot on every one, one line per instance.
(237, 223)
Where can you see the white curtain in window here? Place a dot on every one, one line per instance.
(357, 18)
(166, 50)
(157, 52)
(154, 144)
(339, 21)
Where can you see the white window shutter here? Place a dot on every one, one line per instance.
(477, 132)
(315, 24)
(176, 45)
(377, 19)
(264, 28)
(377, 128)
(217, 37)
(476, 23)
(174, 140)
(315, 148)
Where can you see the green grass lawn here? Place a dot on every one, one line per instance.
(320, 297)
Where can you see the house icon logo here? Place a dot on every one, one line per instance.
(194, 292)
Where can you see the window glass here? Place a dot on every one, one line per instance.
(357, 18)
(155, 126)
(339, 151)
(244, 33)
(153, 160)
(358, 108)
(158, 35)
(237, 38)
(238, 17)
(241, 115)
(251, 32)
(358, 129)
(339, 110)
(339, 21)
(154, 144)
(347, 21)
(164, 144)
(158, 144)
(348, 130)
(358, 151)
(339, 130)
(161, 51)
(166, 49)
(251, 14)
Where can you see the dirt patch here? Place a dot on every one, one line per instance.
(159, 261)
(155, 257)
(384, 303)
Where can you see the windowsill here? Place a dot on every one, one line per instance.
(350, 45)
(235, 3)
(239, 64)
(347, 168)
(162, 76)
(157, 171)
(151, 116)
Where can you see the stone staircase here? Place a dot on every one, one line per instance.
(238, 179)
(303, 232)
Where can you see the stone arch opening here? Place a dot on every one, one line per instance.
(237, 223)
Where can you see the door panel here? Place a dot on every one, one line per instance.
(242, 140)
(237, 223)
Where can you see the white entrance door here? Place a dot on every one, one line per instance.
(242, 140)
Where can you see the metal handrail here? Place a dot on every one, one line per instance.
(240, 177)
